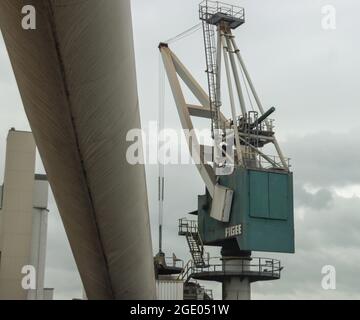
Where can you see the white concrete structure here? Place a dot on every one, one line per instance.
(23, 221)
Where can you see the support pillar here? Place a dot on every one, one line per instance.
(236, 287)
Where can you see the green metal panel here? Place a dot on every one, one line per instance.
(259, 194)
(278, 196)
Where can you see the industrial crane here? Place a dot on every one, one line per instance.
(248, 204)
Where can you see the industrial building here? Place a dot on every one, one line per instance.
(23, 221)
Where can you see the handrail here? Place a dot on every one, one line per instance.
(177, 263)
(186, 270)
(266, 161)
(212, 7)
(189, 225)
(190, 229)
(255, 266)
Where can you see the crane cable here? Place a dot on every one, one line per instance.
(185, 34)
(161, 118)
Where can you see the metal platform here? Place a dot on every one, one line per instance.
(215, 13)
(256, 269)
(168, 270)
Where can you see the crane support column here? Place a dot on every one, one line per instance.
(236, 287)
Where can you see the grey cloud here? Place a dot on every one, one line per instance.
(326, 159)
(336, 227)
(321, 199)
(65, 282)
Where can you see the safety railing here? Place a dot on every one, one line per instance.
(187, 226)
(256, 160)
(209, 8)
(185, 274)
(264, 267)
(174, 262)
(249, 123)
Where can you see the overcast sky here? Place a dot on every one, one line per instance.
(311, 76)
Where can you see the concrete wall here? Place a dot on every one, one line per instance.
(17, 213)
(23, 220)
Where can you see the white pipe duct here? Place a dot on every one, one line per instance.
(76, 75)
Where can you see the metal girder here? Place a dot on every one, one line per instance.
(203, 112)
(222, 196)
(185, 119)
(192, 84)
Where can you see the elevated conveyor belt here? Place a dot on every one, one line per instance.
(76, 75)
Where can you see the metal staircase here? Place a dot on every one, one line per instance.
(189, 229)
